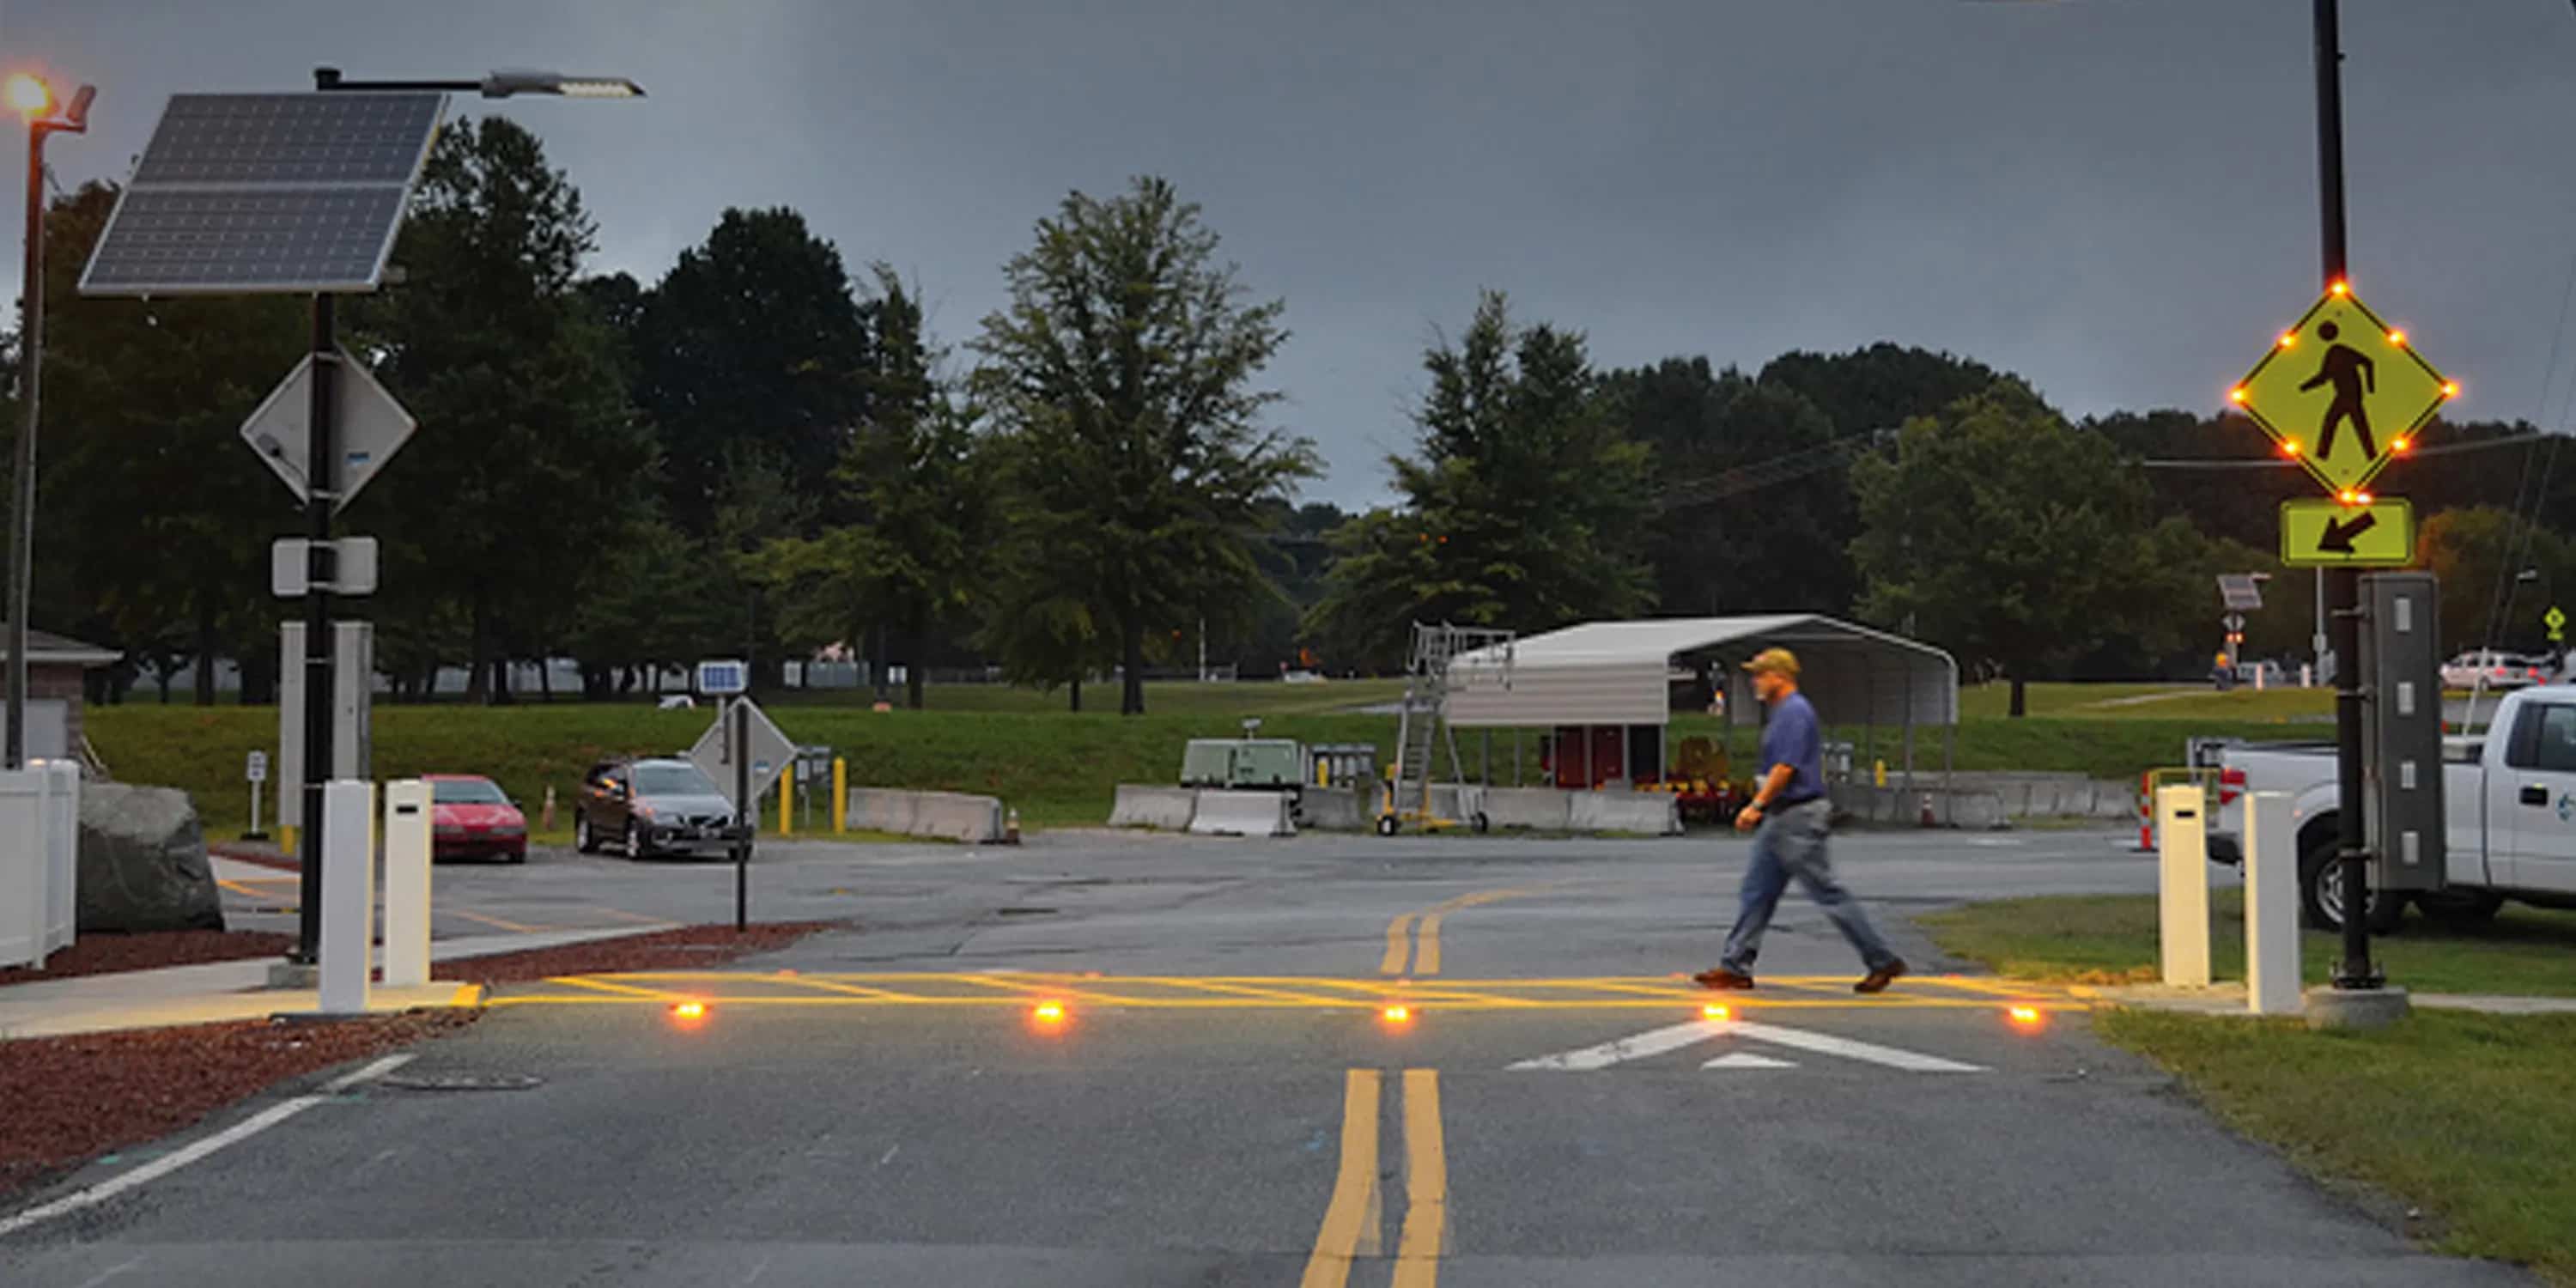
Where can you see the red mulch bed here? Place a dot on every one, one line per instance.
(687, 948)
(98, 954)
(72, 1099)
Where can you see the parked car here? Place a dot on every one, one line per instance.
(470, 817)
(2485, 668)
(2508, 806)
(648, 805)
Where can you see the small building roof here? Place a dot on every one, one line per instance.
(45, 646)
(1623, 672)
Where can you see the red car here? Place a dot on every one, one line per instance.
(471, 818)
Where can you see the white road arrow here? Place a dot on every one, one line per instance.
(1673, 1038)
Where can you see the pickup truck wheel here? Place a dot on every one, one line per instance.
(2461, 907)
(2321, 895)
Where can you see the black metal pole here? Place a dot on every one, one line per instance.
(321, 481)
(2342, 585)
(741, 713)
(22, 500)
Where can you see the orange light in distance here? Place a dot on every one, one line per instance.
(1048, 1013)
(2027, 1017)
(1713, 1011)
(2290, 447)
(29, 95)
(2397, 338)
(1398, 1014)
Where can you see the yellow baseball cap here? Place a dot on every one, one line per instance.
(1774, 659)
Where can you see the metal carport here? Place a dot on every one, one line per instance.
(1624, 673)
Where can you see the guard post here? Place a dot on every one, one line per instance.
(2182, 886)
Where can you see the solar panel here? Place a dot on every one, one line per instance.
(266, 193)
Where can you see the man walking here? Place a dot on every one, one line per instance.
(1790, 810)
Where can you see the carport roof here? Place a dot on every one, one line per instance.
(1621, 672)
(45, 646)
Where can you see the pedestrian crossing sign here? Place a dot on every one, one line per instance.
(2343, 393)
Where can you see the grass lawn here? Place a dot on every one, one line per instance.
(2108, 939)
(2471, 1118)
(1060, 768)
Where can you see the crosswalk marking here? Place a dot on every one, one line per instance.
(1656, 1042)
(1827, 1044)
(1748, 1060)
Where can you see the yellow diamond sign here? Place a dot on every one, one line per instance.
(2343, 392)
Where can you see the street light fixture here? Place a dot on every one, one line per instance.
(499, 84)
(34, 100)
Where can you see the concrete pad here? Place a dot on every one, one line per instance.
(2356, 1008)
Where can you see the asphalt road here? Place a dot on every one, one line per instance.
(1223, 1097)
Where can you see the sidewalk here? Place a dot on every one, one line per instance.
(236, 990)
(2229, 999)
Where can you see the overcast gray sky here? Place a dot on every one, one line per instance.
(2115, 198)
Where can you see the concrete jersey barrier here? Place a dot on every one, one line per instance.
(1543, 809)
(1649, 813)
(1223, 813)
(1168, 809)
(949, 816)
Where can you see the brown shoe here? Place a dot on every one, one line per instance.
(1722, 978)
(1880, 977)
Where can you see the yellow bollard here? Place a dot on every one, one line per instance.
(840, 795)
(787, 800)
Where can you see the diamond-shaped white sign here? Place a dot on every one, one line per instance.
(369, 428)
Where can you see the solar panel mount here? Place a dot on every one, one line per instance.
(245, 194)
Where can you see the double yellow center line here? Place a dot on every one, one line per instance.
(1416, 935)
(1353, 1223)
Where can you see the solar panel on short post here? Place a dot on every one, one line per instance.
(241, 194)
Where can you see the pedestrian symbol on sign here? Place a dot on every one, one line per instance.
(2348, 372)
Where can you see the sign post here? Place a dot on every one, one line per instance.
(740, 714)
(255, 772)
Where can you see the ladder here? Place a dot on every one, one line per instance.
(1422, 729)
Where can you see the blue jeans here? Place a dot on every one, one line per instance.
(1791, 844)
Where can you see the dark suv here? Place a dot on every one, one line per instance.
(645, 805)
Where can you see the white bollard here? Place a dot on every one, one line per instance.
(348, 895)
(407, 854)
(2182, 886)
(2272, 984)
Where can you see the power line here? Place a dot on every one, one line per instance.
(2279, 463)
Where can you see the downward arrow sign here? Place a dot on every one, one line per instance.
(2338, 536)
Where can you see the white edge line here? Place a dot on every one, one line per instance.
(173, 1161)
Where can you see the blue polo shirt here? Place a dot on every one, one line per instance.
(1793, 738)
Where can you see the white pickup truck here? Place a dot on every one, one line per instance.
(2508, 800)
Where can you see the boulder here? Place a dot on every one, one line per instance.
(143, 861)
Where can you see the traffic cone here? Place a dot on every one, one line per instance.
(1011, 827)
(1927, 811)
(547, 818)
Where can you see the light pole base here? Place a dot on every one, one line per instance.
(294, 975)
(2356, 1008)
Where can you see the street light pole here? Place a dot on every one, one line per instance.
(322, 484)
(2343, 585)
(31, 96)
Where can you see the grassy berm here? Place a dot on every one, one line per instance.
(1060, 768)
(2468, 1119)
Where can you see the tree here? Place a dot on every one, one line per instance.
(154, 522)
(2482, 556)
(531, 461)
(1880, 387)
(752, 345)
(1754, 510)
(1523, 509)
(2002, 533)
(910, 483)
(1122, 374)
